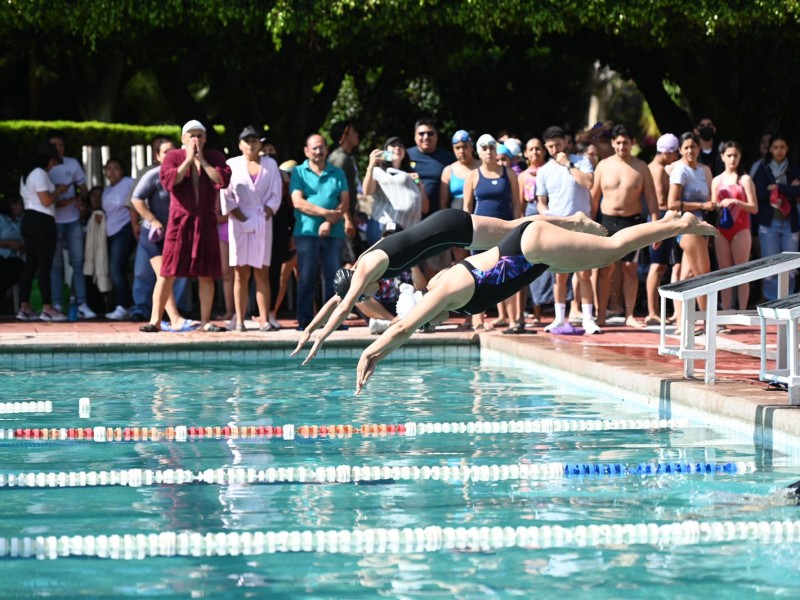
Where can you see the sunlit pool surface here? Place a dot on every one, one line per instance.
(241, 391)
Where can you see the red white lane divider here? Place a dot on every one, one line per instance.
(395, 540)
(337, 474)
(41, 406)
(183, 433)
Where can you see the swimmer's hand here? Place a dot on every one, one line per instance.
(366, 367)
(314, 349)
(303, 339)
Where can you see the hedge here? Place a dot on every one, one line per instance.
(18, 141)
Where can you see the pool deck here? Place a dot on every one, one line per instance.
(620, 356)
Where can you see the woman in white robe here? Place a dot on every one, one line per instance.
(251, 199)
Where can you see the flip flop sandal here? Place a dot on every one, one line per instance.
(213, 328)
(149, 328)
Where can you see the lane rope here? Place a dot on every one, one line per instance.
(41, 406)
(182, 433)
(394, 540)
(354, 474)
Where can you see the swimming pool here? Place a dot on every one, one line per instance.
(447, 512)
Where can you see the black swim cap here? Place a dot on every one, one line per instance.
(341, 282)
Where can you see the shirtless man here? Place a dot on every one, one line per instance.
(661, 255)
(621, 180)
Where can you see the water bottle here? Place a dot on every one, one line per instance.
(73, 309)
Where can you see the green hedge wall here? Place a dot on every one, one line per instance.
(18, 141)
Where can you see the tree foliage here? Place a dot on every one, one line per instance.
(281, 63)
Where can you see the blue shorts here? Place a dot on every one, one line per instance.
(150, 248)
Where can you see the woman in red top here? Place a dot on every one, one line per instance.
(735, 196)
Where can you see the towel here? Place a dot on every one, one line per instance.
(95, 258)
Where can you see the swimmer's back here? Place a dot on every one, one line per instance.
(444, 229)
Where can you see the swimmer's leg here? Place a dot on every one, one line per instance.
(569, 251)
(488, 231)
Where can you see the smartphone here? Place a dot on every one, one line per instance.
(388, 155)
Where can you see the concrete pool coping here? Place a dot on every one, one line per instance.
(623, 357)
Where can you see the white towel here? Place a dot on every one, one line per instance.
(95, 258)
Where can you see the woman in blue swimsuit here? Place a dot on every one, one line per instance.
(527, 251)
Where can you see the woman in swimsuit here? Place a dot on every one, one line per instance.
(526, 252)
(490, 192)
(735, 195)
(444, 229)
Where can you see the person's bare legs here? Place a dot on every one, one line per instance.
(241, 292)
(630, 288)
(205, 288)
(175, 319)
(603, 292)
(161, 293)
(287, 268)
(654, 276)
(262, 293)
(722, 248)
(575, 312)
(741, 245)
(227, 281)
(695, 261)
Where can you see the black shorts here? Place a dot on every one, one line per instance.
(615, 224)
(668, 253)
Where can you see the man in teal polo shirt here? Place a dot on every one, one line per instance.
(320, 198)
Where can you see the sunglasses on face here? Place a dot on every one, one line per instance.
(426, 133)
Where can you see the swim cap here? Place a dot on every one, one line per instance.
(341, 282)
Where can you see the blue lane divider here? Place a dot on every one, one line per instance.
(622, 470)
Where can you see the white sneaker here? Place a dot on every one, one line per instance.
(590, 327)
(119, 314)
(273, 320)
(554, 325)
(57, 308)
(84, 312)
(378, 326)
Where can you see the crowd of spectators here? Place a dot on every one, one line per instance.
(199, 230)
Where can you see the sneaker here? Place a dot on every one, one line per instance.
(26, 315)
(84, 312)
(52, 316)
(554, 325)
(57, 308)
(273, 320)
(591, 327)
(378, 326)
(119, 314)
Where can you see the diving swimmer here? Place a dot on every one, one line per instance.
(443, 230)
(526, 252)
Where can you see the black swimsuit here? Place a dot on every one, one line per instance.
(444, 229)
(511, 273)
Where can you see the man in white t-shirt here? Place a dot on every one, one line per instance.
(562, 189)
(69, 232)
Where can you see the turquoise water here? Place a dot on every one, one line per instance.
(247, 389)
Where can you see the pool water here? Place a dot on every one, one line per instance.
(167, 391)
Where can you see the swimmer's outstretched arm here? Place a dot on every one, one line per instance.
(318, 320)
(453, 291)
(368, 269)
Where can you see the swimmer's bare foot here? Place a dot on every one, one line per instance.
(696, 226)
(633, 322)
(584, 224)
(671, 215)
